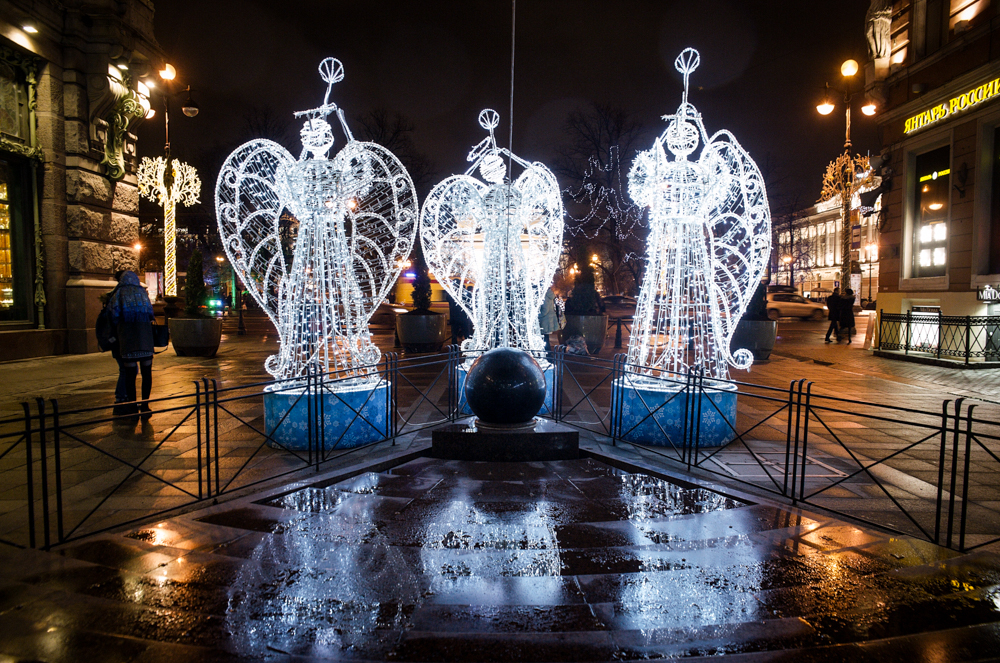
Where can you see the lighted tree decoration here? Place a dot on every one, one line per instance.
(846, 176)
(357, 215)
(709, 243)
(502, 237)
(168, 187)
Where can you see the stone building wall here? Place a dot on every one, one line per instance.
(87, 197)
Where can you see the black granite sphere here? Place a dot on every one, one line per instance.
(505, 386)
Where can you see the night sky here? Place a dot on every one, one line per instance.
(763, 66)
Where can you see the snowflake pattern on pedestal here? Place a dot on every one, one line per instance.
(709, 243)
(357, 219)
(494, 245)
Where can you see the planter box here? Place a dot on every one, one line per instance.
(195, 337)
(422, 333)
(352, 416)
(669, 404)
(593, 328)
(757, 336)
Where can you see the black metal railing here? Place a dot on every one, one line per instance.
(966, 338)
(930, 474)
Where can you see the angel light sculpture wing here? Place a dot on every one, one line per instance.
(357, 216)
(708, 246)
(494, 245)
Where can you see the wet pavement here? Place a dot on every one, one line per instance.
(439, 560)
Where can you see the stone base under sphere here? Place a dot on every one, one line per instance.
(505, 386)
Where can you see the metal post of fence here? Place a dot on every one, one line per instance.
(57, 456)
(954, 472)
(208, 438)
(906, 346)
(310, 433)
(557, 382)
(965, 478)
(197, 416)
(688, 416)
(618, 335)
(215, 429)
(940, 483)
(805, 440)
(321, 422)
(616, 379)
(939, 318)
(700, 396)
(880, 323)
(788, 437)
(795, 440)
(968, 325)
(44, 457)
(30, 473)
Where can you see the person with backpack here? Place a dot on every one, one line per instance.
(130, 314)
(833, 314)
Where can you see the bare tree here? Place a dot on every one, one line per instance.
(394, 132)
(602, 220)
(264, 121)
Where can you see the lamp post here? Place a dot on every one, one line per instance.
(870, 248)
(168, 182)
(846, 175)
(787, 259)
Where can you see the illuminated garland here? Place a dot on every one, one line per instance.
(709, 243)
(181, 185)
(357, 216)
(494, 246)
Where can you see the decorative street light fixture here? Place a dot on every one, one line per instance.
(168, 182)
(787, 259)
(872, 250)
(846, 175)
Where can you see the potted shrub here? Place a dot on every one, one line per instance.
(192, 333)
(421, 330)
(584, 314)
(755, 331)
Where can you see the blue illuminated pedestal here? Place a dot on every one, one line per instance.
(352, 416)
(547, 407)
(717, 414)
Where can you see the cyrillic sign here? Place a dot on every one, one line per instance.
(976, 95)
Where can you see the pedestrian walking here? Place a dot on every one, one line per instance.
(548, 320)
(833, 315)
(131, 315)
(846, 318)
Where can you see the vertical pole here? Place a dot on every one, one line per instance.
(906, 347)
(939, 337)
(968, 325)
(965, 478)
(30, 476)
(321, 418)
(940, 483)
(881, 321)
(805, 441)
(43, 456)
(208, 438)
(788, 438)
(215, 429)
(954, 473)
(618, 334)
(55, 448)
(197, 416)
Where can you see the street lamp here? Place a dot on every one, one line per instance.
(871, 250)
(168, 181)
(787, 259)
(846, 175)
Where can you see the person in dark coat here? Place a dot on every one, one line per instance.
(132, 315)
(846, 317)
(833, 314)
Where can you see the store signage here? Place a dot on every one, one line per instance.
(988, 293)
(976, 95)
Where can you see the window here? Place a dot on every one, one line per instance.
(995, 207)
(13, 105)
(14, 250)
(930, 204)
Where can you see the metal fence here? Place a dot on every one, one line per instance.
(968, 338)
(930, 474)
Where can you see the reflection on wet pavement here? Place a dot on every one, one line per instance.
(455, 561)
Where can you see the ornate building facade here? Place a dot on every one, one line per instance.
(71, 92)
(935, 72)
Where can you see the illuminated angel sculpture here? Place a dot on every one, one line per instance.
(357, 216)
(494, 246)
(709, 242)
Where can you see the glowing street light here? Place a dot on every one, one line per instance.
(846, 175)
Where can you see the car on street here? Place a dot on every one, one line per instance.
(790, 305)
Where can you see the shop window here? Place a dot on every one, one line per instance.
(14, 249)
(930, 202)
(13, 105)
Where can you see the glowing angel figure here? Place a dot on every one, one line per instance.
(494, 246)
(709, 242)
(357, 215)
